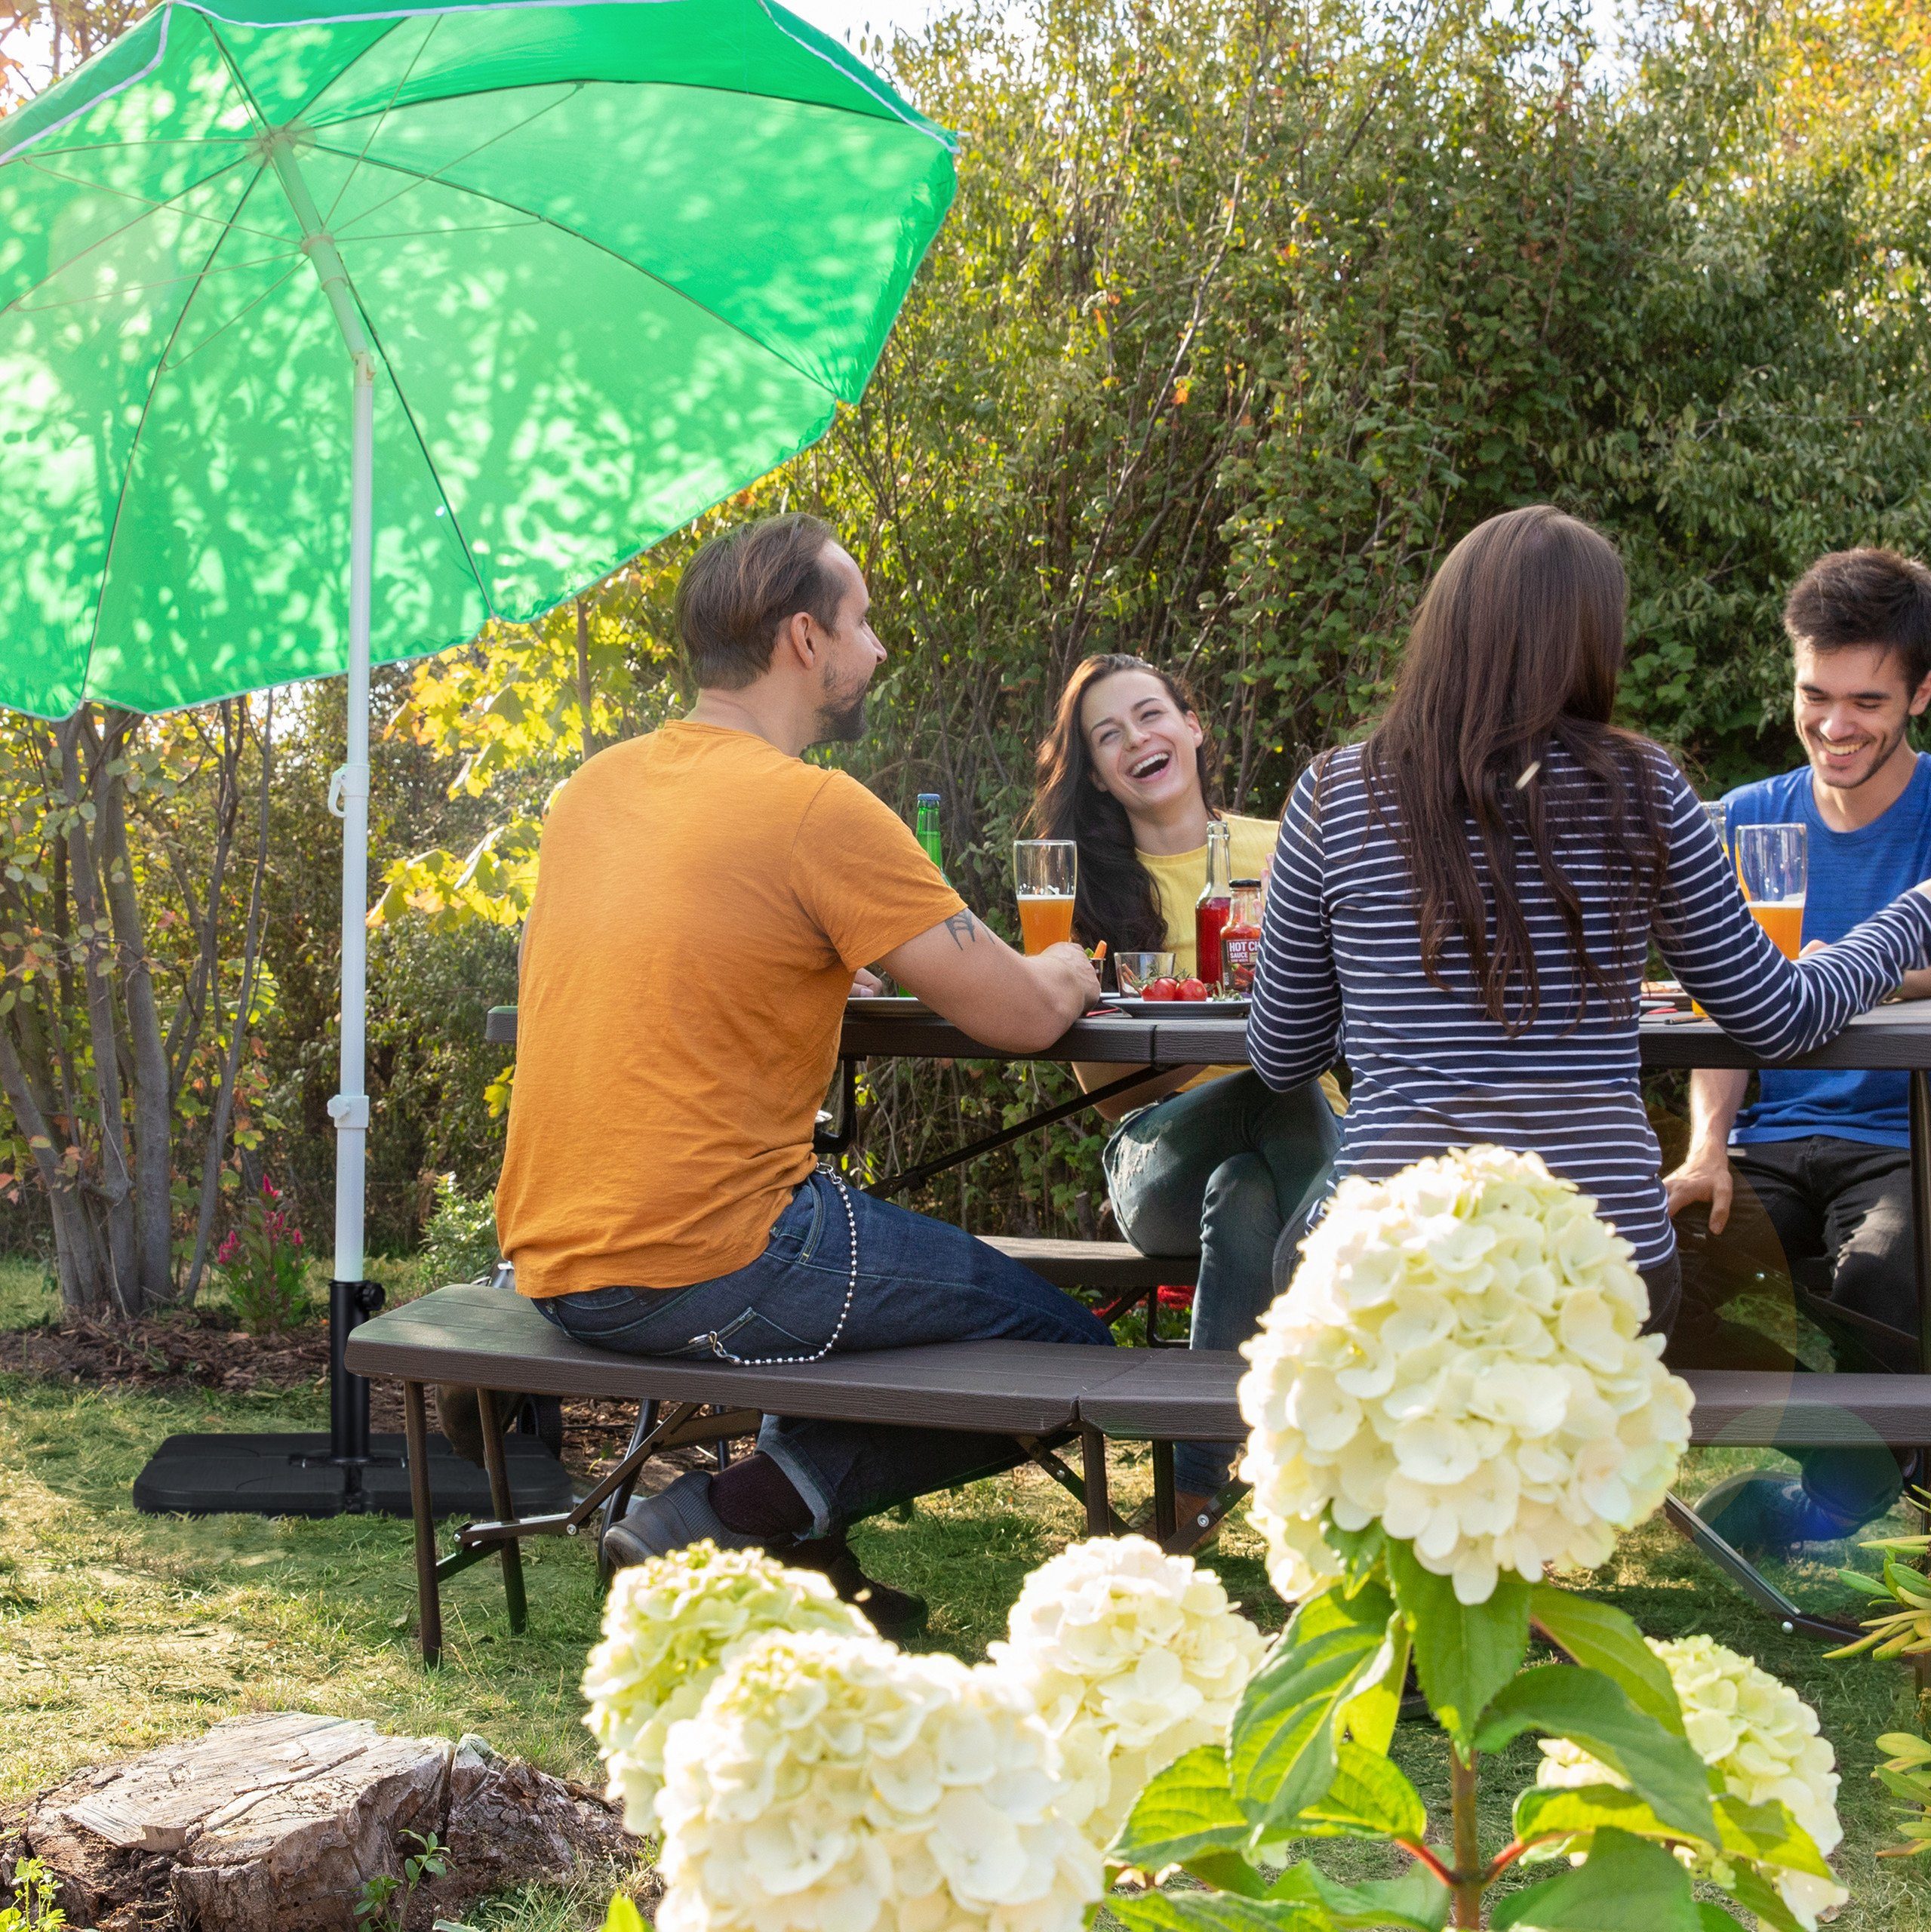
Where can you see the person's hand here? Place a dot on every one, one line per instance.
(1703, 1175)
(1072, 972)
(865, 983)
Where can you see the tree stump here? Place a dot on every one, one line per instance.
(280, 1820)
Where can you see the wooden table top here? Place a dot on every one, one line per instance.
(1892, 1036)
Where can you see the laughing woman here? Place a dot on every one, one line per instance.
(1209, 1162)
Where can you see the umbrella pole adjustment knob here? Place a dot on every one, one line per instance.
(350, 1111)
(348, 781)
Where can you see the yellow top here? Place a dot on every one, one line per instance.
(703, 901)
(1178, 878)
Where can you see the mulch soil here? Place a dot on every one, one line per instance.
(190, 1349)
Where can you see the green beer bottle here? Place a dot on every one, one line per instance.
(928, 826)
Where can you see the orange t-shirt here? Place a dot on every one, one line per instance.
(703, 901)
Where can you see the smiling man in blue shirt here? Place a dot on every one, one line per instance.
(1827, 1156)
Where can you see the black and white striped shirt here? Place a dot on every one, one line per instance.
(1341, 967)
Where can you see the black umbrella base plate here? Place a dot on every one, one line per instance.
(291, 1475)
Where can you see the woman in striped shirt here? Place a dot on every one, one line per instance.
(1462, 904)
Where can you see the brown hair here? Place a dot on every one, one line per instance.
(1864, 597)
(741, 586)
(1516, 649)
(1117, 900)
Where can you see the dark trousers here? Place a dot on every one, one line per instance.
(1826, 1225)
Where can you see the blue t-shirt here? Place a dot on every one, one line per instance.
(1853, 875)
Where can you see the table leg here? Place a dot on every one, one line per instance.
(1165, 1518)
(429, 1594)
(1920, 1217)
(1092, 1459)
(496, 1458)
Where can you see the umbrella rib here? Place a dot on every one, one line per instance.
(133, 449)
(602, 247)
(34, 165)
(147, 210)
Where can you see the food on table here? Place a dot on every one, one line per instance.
(1240, 939)
(1163, 988)
(1193, 989)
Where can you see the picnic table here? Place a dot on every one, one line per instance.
(1163, 1406)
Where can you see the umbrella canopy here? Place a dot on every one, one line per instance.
(609, 262)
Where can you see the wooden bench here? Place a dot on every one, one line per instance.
(1041, 1393)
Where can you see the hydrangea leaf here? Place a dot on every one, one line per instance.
(1714, 1918)
(1463, 1653)
(623, 1916)
(1628, 1885)
(1768, 1835)
(1370, 1719)
(1281, 1748)
(1603, 1637)
(1416, 1902)
(1567, 1700)
(1577, 1810)
(1755, 1893)
(1212, 1911)
(1188, 1809)
(1370, 1797)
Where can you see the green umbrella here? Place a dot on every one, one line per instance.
(329, 335)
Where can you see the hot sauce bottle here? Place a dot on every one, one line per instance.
(1215, 902)
(1240, 939)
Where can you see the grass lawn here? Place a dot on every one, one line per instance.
(118, 1631)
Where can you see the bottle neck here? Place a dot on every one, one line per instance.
(1219, 870)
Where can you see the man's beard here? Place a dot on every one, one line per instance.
(1880, 756)
(842, 719)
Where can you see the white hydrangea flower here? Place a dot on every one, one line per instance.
(1132, 1657)
(831, 1783)
(669, 1625)
(1759, 1737)
(1459, 1357)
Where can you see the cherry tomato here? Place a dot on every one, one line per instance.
(1160, 989)
(1193, 989)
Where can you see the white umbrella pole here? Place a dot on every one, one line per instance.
(349, 1298)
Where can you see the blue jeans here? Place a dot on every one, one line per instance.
(1218, 1171)
(918, 1281)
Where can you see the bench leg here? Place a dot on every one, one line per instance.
(1093, 1461)
(618, 1500)
(496, 1460)
(429, 1594)
(1165, 1518)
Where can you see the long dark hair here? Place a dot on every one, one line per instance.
(1117, 901)
(1516, 649)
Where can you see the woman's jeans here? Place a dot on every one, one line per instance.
(918, 1281)
(1219, 1171)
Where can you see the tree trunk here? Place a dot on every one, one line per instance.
(117, 1178)
(85, 1287)
(154, 1150)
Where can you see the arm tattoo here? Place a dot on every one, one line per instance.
(963, 926)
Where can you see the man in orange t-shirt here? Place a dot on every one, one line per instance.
(704, 900)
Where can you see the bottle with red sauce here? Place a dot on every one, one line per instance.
(1215, 902)
(1240, 939)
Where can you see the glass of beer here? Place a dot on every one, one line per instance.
(1046, 874)
(1773, 861)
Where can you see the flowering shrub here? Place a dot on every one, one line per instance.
(1459, 1359)
(670, 1626)
(1131, 1657)
(262, 1266)
(830, 1783)
(1761, 1740)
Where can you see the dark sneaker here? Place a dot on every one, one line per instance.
(1760, 1511)
(894, 1614)
(658, 1524)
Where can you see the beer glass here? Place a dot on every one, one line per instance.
(1773, 863)
(1045, 875)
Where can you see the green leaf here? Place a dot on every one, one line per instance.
(1211, 1912)
(1567, 1700)
(1370, 1797)
(1626, 1886)
(1187, 1810)
(1714, 1918)
(1603, 1638)
(1543, 1810)
(1417, 1901)
(1770, 1834)
(1463, 1653)
(1755, 1893)
(1280, 1747)
(624, 1916)
(1370, 1719)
